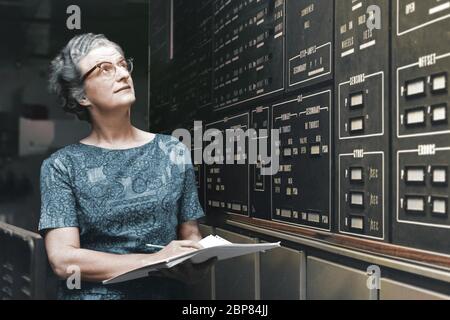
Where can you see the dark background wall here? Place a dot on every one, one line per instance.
(32, 125)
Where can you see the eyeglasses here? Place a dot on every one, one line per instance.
(108, 69)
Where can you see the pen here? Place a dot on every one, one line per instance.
(155, 246)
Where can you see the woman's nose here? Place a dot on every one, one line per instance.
(122, 73)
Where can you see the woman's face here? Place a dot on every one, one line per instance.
(102, 91)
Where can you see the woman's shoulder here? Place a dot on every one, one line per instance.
(174, 150)
(168, 142)
(62, 157)
(167, 137)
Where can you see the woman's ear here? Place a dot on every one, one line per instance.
(84, 101)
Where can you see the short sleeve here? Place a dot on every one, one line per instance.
(58, 204)
(190, 208)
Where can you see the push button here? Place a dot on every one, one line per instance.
(356, 175)
(439, 206)
(415, 175)
(439, 114)
(357, 223)
(415, 88)
(415, 204)
(415, 117)
(357, 199)
(287, 152)
(315, 150)
(439, 175)
(314, 217)
(356, 100)
(439, 83)
(357, 125)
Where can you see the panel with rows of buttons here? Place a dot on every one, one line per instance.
(362, 117)
(260, 180)
(226, 170)
(301, 190)
(421, 157)
(180, 60)
(309, 42)
(248, 50)
(204, 53)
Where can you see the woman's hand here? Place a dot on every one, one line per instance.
(188, 272)
(178, 247)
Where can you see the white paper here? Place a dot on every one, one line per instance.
(213, 247)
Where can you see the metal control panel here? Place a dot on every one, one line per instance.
(309, 42)
(180, 61)
(362, 117)
(260, 183)
(421, 140)
(248, 50)
(227, 186)
(357, 89)
(301, 190)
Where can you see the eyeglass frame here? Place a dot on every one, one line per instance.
(128, 60)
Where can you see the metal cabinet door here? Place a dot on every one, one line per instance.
(330, 281)
(235, 279)
(393, 290)
(282, 275)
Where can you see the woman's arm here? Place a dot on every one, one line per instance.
(63, 249)
(189, 231)
(187, 272)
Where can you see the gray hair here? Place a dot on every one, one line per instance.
(65, 76)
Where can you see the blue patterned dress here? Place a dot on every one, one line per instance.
(120, 200)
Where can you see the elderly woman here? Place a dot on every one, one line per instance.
(107, 196)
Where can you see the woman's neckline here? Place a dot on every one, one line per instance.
(127, 149)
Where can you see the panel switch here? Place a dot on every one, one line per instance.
(357, 125)
(357, 223)
(356, 100)
(356, 175)
(415, 117)
(439, 175)
(439, 83)
(415, 175)
(357, 199)
(315, 149)
(415, 204)
(439, 206)
(415, 88)
(439, 114)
